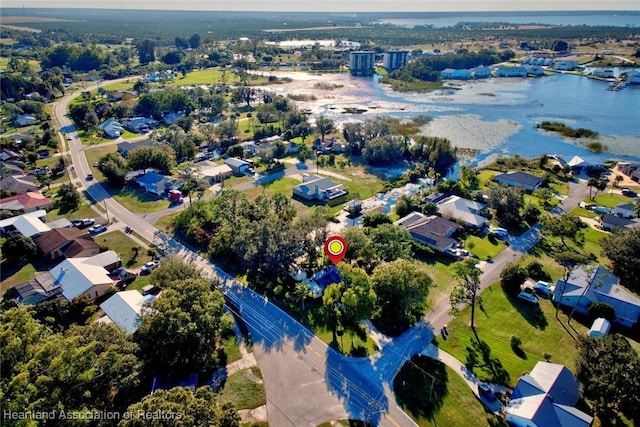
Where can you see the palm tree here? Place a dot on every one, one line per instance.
(618, 179)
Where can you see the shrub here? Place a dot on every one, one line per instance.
(515, 342)
(602, 309)
(535, 270)
(512, 277)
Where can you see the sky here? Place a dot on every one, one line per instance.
(335, 5)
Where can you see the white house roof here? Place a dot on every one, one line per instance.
(28, 224)
(463, 209)
(124, 309)
(77, 275)
(217, 170)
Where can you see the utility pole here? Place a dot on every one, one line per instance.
(106, 210)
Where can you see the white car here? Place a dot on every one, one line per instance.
(151, 265)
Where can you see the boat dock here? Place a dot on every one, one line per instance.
(617, 86)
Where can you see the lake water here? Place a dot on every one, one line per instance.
(440, 20)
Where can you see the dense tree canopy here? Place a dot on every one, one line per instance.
(622, 247)
(180, 334)
(402, 288)
(182, 408)
(14, 248)
(607, 367)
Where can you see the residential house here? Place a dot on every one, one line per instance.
(18, 184)
(534, 70)
(112, 128)
(454, 74)
(516, 71)
(433, 231)
(585, 164)
(66, 242)
(546, 397)
(155, 183)
(139, 124)
(481, 72)
(170, 118)
(565, 65)
(465, 210)
(6, 155)
(85, 276)
(125, 147)
(25, 202)
(160, 76)
(216, 173)
(519, 179)
(25, 120)
(586, 287)
(625, 210)
(609, 222)
(238, 166)
(124, 309)
(318, 188)
(605, 73)
(29, 224)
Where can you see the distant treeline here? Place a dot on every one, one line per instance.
(567, 131)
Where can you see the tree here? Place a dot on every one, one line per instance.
(227, 132)
(190, 177)
(161, 158)
(173, 270)
(244, 94)
(350, 301)
(402, 288)
(466, 292)
(324, 126)
(69, 197)
(601, 309)
(146, 51)
(617, 180)
(507, 202)
(565, 226)
(87, 368)
(468, 177)
(596, 183)
(17, 247)
(569, 260)
(622, 247)
(114, 167)
(390, 242)
(512, 277)
(180, 335)
(199, 408)
(607, 367)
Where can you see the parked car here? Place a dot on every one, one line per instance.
(76, 223)
(148, 267)
(89, 177)
(628, 193)
(87, 222)
(97, 229)
(126, 279)
(485, 391)
(543, 288)
(601, 210)
(527, 297)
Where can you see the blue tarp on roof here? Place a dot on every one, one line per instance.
(327, 277)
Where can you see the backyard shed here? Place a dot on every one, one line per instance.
(599, 328)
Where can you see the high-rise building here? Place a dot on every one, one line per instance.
(394, 59)
(361, 63)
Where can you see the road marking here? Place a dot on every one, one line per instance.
(387, 416)
(318, 354)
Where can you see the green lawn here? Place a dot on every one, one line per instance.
(230, 345)
(459, 407)
(483, 248)
(83, 211)
(584, 212)
(611, 200)
(137, 200)
(201, 77)
(501, 317)
(124, 247)
(25, 273)
(245, 389)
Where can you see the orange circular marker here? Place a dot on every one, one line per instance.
(336, 248)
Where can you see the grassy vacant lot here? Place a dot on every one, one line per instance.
(245, 389)
(483, 247)
(501, 317)
(125, 248)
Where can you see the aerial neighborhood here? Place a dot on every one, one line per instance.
(252, 219)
